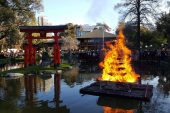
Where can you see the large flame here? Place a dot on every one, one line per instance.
(117, 62)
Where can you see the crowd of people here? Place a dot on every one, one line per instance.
(157, 54)
(11, 54)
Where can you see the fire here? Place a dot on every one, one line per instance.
(110, 110)
(117, 62)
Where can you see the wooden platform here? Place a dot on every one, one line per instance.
(128, 90)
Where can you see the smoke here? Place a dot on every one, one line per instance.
(168, 3)
(164, 6)
(96, 9)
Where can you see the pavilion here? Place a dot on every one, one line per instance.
(94, 40)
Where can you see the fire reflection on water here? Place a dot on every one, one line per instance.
(111, 110)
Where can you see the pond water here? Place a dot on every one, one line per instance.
(59, 93)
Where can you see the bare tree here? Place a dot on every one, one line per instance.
(69, 38)
(69, 43)
(139, 12)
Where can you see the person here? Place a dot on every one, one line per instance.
(46, 60)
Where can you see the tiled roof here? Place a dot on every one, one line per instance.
(98, 33)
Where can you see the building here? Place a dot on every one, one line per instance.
(43, 21)
(83, 30)
(95, 40)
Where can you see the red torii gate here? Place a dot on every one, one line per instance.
(30, 51)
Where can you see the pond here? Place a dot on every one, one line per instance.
(59, 93)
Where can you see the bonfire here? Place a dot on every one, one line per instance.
(118, 77)
(117, 62)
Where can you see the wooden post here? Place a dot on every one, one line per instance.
(139, 80)
(58, 54)
(30, 51)
(56, 51)
(146, 91)
(34, 55)
(54, 55)
(26, 52)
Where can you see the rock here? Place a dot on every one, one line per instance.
(59, 71)
(70, 67)
(45, 75)
(14, 75)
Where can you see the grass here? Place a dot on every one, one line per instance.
(10, 60)
(14, 60)
(35, 69)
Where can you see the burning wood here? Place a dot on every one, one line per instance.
(118, 77)
(116, 65)
(109, 88)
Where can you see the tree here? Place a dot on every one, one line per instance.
(163, 26)
(138, 12)
(129, 31)
(69, 38)
(14, 13)
(151, 38)
(69, 41)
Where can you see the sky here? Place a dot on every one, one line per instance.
(81, 12)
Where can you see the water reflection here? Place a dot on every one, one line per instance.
(119, 105)
(23, 94)
(30, 87)
(76, 76)
(111, 110)
(164, 85)
(57, 90)
(59, 93)
(157, 75)
(118, 102)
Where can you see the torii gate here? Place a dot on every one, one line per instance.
(30, 51)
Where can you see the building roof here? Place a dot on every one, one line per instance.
(98, 33)
(87, 27)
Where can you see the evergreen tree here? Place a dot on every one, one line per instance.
(163, 26)
(14, 13)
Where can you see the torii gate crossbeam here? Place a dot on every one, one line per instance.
(30, 51)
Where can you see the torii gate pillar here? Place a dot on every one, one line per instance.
(30, 51)
(56, 50)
